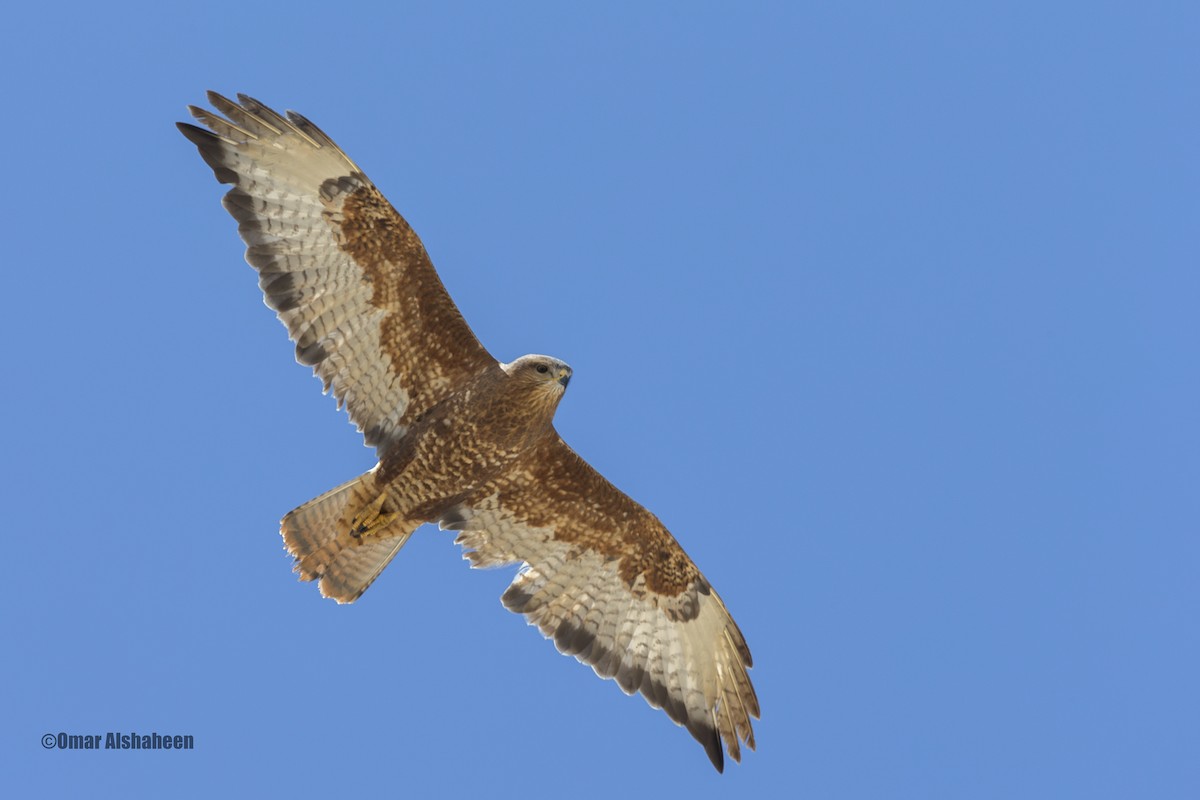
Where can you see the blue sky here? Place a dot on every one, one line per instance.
(889, 313)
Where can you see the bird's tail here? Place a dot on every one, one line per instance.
(345, 537)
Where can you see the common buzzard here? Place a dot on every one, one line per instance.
(462, 440)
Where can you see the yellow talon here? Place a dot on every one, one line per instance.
(371, 519)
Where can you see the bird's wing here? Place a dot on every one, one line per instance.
(343, 270)
(608, 583)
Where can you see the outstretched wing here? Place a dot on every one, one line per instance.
(345, 273)
(609, 584)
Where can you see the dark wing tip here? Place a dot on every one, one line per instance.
(712, 745)
(309, 129)
(211, 147)
(196, 135)
(217, 99)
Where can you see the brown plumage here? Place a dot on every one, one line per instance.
(463, 441)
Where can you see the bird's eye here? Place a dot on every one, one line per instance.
(542, 368)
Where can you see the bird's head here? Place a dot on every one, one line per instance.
(540, 373)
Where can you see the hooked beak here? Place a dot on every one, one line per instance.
(564, 377)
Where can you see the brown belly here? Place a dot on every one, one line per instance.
(438, 464)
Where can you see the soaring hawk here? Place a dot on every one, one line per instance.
(462, 440)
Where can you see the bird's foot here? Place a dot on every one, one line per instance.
(371, 519)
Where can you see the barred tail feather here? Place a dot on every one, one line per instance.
(321, 537)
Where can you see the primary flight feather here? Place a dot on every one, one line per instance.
(463, 440)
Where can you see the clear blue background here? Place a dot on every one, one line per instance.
(889, 312)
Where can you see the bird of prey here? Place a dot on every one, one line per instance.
(462, 440)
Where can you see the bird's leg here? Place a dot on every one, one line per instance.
(371, 519)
